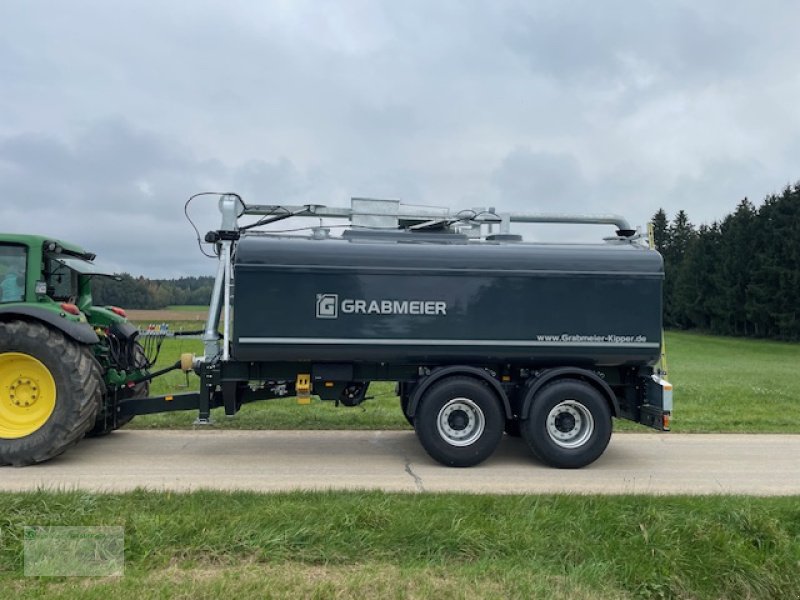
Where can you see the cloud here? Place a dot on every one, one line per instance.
(119, 190)
(542, 181)
(648, 42)
(113, 113)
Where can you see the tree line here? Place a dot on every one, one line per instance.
(738, 276)
(140, 292)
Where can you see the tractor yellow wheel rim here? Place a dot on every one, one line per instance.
(27, 395)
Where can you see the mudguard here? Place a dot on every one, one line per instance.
(80, 332)
(566, 373)
(468, 371)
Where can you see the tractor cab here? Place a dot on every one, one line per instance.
(51, 275)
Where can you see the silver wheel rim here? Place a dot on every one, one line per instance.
(570, 424)
(460, 422)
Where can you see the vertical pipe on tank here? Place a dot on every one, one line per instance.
(226, 326)
(210, 335)
(231, 207)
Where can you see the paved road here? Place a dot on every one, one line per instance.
(394, 461)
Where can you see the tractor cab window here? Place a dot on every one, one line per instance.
(12, 273)
(62, 282)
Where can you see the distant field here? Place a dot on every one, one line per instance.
(721, 385)
(176, 316)
(189, 308)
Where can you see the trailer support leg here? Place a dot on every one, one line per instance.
(204, 405)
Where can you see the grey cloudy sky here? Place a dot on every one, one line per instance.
(112, 113)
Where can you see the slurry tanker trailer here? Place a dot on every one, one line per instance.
(482, 332)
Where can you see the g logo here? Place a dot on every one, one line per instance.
(327, 306)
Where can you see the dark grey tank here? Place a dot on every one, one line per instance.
(382, 298)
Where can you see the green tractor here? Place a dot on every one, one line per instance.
(64, 363)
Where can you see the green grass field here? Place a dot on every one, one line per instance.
(370, 545)
(721, 385)
(729, 384)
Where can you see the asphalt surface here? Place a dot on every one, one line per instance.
(394, 461)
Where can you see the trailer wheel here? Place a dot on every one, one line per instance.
(459, 422)
(140, 390)
(569, 425)
(49, 392)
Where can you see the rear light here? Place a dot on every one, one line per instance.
(665, 421)
(118, 311)
(70, 308)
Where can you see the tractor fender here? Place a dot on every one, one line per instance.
(80, 332)
(550, 375)
(437, 375)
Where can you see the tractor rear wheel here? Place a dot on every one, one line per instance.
(49, 392)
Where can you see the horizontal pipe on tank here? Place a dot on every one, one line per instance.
(404, 212)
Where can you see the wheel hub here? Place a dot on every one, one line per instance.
(570, 424)
(565, 422)
(23, 392)
(460, 422)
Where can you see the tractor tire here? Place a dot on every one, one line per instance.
(140, 390)
(49, 392)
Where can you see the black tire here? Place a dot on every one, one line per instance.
(77, 391)
(513, 428)
(459, 421)
(103, 425)
(569, 425)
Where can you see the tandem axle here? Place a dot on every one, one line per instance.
(625, 393)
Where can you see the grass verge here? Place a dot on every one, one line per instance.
(345, 544)
(721, 385)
